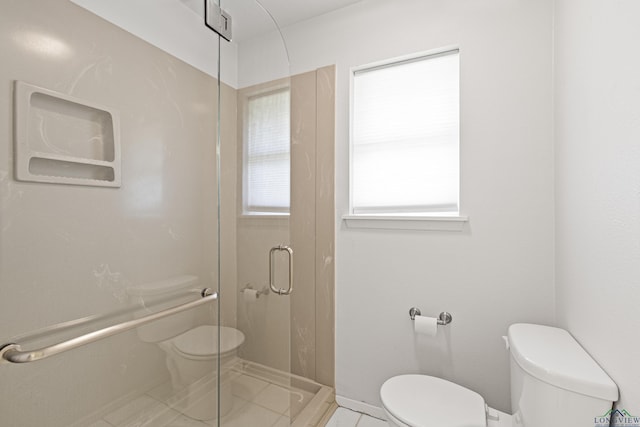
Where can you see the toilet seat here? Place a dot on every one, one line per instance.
(425, 401)
(202, 342)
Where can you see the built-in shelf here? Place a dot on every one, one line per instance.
(65, 140)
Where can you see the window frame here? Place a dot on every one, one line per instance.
(454, 221)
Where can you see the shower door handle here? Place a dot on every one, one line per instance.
(272, 270)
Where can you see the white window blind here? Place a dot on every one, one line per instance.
(405, 137)
(267, 153)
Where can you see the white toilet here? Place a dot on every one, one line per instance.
(554, 383)
(191, 347)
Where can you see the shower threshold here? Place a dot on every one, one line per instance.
(261, 397)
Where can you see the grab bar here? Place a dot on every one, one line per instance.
(12, 353)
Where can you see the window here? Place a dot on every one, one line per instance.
(266, 154)
(405, 137)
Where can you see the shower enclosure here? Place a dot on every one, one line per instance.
(166, 245)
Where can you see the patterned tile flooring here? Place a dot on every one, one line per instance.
(261, 397)
(343, 417)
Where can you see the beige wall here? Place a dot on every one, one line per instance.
(304, 321)
(265, 320)
(312, 226)
(72, 251)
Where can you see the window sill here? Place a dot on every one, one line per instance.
(266, 216)
(430, 223)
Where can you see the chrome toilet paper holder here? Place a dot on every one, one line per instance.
(444, 318)
(248, 286)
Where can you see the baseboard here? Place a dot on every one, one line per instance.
(362, 407)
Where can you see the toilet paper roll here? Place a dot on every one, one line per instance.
(424, 325)
(250, 295)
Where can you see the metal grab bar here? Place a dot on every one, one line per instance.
(271, 270)
(12, 353)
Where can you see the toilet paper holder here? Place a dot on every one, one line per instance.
(263, 291)
(443, 319)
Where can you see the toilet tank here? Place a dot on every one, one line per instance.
(554, 382)
(152, 297)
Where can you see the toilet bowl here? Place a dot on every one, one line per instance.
(192, 359)
(554, 383)
(405, 406)
(191, 348)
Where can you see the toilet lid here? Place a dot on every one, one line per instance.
(424, 401)
(203, 341)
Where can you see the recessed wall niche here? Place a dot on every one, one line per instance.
(65, 140)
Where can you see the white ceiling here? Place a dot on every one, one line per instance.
(251, 17)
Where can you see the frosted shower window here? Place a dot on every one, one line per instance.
(405, 137)
(267, 153)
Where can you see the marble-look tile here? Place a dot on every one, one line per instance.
(247, 387)
(130, 410)
(299, 400)
(282, 422)
(325, 224)
(274, 398)
(302, 225)
(101, 423)
(367, 421)
(163, 392)
(251, 415)
(237, 405)
(158, 415)
(344, 418)
(162, 222)
(184, 421)
(277, 404)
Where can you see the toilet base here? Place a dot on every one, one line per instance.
(497, 419)
(202, 404)
(199, 400)
(193, 378)
(503, 419)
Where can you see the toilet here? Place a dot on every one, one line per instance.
(190, 346)
(554, 383)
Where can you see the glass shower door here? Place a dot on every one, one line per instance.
(276, 228)
(108, 214)
(256, 254)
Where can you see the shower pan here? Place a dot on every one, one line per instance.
(191, 284)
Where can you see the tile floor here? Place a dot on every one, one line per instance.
(264, 401)
(346, 418)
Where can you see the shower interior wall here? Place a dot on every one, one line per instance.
(73, 251)
(300, 338)
(294, 333)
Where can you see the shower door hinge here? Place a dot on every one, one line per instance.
(217, 19)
